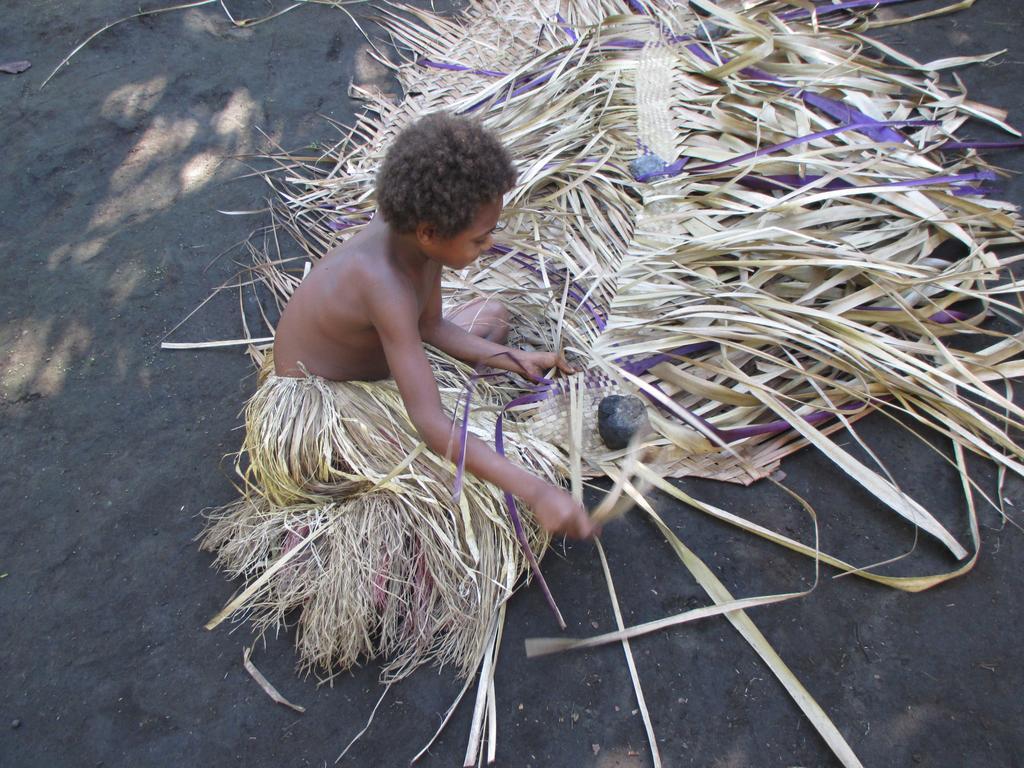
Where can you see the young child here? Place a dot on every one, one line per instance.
(366, 310)
(345, 515)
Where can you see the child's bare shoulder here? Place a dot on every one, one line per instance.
(359, 273)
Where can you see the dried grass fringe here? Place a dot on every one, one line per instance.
(392, 568)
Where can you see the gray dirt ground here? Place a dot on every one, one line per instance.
(109, 448)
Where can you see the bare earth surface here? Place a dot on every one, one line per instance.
(109, 449)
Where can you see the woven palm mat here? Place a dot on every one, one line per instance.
(764, 224)
(550, 421)
(771, 194)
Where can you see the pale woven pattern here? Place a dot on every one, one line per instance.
(654, 99)
(550, 420)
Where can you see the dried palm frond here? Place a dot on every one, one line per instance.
(770, 227)
(762, 221)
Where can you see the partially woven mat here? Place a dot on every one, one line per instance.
(764, 224)
(550, 421)
(760, 189)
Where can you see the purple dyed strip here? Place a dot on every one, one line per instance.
(566, 28)
(698, 50)
(803, 140)
(705, 424)
(825, 9)
(624, 42)
(342, 222)
(636, 7)
(529, 86)
(787, 182)
(972, 190)
(510, 502)
(542, 384)
(538, 397)
(775, 427)
(517, 523)
(459, 68)
(672, 169)
(946, 316)
(839, 110)
(491, 73)
(847, 114)
(539, 80)
(637, 367)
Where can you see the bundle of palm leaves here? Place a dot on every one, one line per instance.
(755, 217)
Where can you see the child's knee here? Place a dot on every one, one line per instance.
(496, 320)
(498, 311)
(488, 318)
(491, 320)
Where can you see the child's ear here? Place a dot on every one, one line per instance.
(426, 233)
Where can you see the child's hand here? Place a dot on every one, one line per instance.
(536, 364)
(558, 513)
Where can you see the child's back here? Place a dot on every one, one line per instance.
(326, 329)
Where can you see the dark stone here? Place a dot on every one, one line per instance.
(15, 723)
(619, 417)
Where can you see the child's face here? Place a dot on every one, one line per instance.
(465, 247)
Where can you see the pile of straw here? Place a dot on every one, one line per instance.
(762, 221)
(769, 230)
(346, 518)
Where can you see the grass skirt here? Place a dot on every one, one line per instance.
(381, 560)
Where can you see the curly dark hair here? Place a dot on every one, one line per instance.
(440, 170)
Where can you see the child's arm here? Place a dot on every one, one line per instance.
(393, 312)
(456, 341)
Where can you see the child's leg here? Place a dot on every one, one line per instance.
(487, 318)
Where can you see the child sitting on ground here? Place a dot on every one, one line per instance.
(366, 310)
(378, 552)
